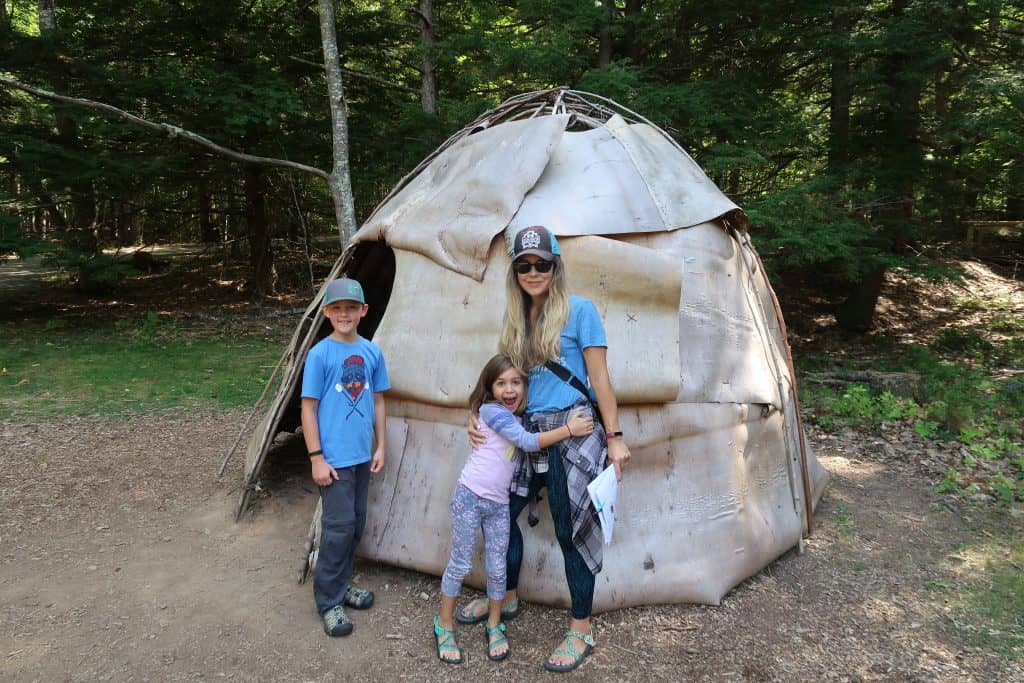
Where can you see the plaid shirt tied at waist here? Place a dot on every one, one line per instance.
(584, 458)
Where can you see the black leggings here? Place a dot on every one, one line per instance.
(577, 574)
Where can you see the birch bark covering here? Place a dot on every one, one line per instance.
(635, 291)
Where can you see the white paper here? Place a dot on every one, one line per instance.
(602, 492)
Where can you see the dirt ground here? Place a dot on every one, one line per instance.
(120, 560)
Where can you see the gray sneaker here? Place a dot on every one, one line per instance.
(358, 598)
(336, 622)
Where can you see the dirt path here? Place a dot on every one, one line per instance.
(20, 277)
(119, 561)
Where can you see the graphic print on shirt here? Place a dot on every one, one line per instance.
(353, 382)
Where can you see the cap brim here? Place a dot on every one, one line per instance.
(328, 302)
(546, 255)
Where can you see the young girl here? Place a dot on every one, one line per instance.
(480, 500)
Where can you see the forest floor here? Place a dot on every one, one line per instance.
(120, 560)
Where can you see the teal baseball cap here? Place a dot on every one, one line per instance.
(536, 240)
(344, 289)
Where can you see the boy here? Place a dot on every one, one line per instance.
(342, 410)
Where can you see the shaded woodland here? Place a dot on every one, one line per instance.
(858, 136)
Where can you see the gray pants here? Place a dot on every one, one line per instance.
(344, 518)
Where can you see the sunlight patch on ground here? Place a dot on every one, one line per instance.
(841, 466)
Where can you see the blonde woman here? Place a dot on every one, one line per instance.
(561, 340)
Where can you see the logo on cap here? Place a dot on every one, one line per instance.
(531, 239)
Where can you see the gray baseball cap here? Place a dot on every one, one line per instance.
(344, 289)
(536, 240)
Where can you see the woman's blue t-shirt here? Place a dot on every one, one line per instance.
(583, 329)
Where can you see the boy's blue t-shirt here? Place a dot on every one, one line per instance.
(344, 376)
(582, 330)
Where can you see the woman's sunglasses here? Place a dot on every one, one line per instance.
(524, 267)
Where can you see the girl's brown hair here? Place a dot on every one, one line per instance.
(482, 391)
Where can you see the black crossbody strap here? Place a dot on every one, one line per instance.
(563, 373)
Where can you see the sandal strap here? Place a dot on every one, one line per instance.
(569, 648)
(448, 641)
(496, 636)
(469, 609)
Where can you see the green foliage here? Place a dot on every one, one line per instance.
(926, 429)
(949, 484)
(14, 240)
(988, 605)
(132, 366)
(966, 398)
(857, 406)
(844, 520)
(932, 137)
(955, 340)
(807, 226)
(93, 273)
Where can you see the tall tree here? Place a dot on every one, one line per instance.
(341, 179)
(428, 39)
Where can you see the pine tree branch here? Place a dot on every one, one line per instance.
(173, 132)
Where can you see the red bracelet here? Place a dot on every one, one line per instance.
(612, 435)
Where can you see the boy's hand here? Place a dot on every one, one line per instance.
(323, 474)
(377, 463)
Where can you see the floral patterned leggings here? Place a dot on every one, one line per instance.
(471, 513)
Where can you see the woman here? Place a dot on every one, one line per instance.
(549, 332)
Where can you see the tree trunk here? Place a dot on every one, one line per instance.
(604, 56)
(839, 99)
(261, 254)
(428, 38)
(632, 45)
(340, 179)
(47, 17)
(47, 202)
(1015, 192)
(207, 232)
(858, 311)
(83, 206)
(901, 152)
(949, 191)
(733, 187)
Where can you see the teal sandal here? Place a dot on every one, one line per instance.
(444, 640)
(467, 615)
(495, 636)
(570, 649)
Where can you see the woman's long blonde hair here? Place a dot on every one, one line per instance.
(526, 347)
